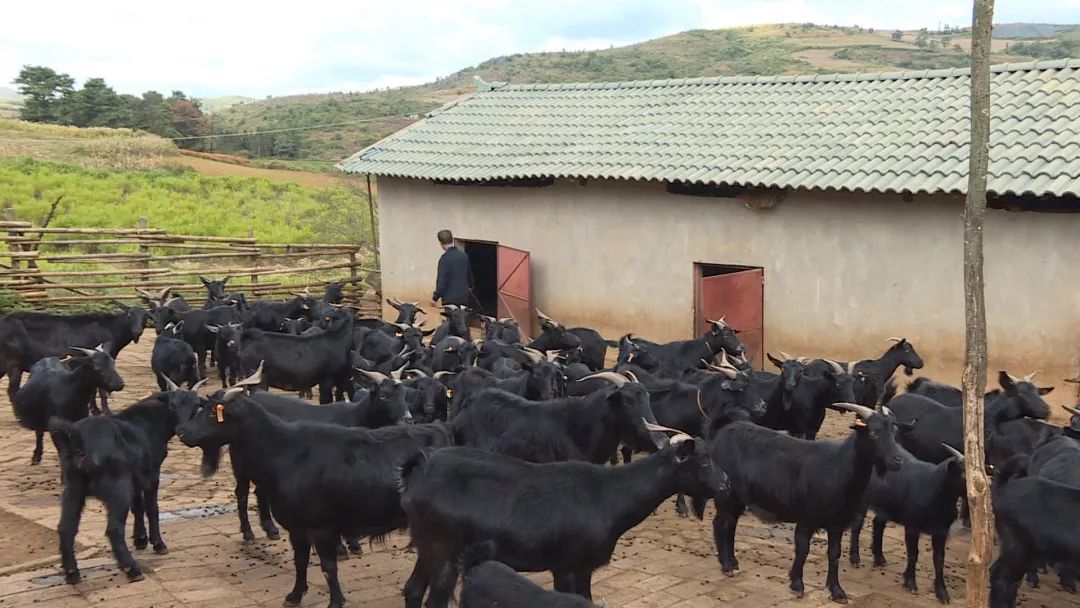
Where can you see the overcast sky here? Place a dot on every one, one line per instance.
(272, 47)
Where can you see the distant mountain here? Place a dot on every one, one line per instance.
(217, 104)
(9, 94)
(1030, 30)
(757, 50)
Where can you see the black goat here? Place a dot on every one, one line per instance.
(573, 428)
(814, 484)
(227, 340)
(554, 336)
(196, 327)
(1035, 520)
(936, 424)
(486, 583)
(296, 363)
(27, 337)
(322, 481)
(270, 316)
(163, 299)
(296, 326)
(679, 356)
(116, 459)
(455, 323)
(473, 380)
(63, 390)
(922, 497)
(452, 354)
(801, 411)
(575, 512)
(407, 311)
(503, 330)
(871, 374)
(173, 359)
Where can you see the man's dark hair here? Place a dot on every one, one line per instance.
(446, 237)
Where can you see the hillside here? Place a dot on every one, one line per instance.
(217, 104)
(99, 148)
(764, 50)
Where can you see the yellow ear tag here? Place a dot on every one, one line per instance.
(859, 421)
(449, 393)
(220, 411)
(67, 358)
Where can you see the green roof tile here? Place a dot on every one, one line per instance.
(887, 132)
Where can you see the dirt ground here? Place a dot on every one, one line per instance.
(304, 178)
(665, 561)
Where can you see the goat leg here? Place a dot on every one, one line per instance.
(832, 580)
(104, 396)
(803, 533)
(266, 520)
(39, 447)
(242, 489)
(301, 555)
(138, 511)
(875, 544)
(854, 551)
(442, 584)
(418, 581)
(326, 545)
(72, 501)
(911, 542)
(940, 590)
(118, 502)
(152, 518)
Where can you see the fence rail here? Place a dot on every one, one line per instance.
(47, 266)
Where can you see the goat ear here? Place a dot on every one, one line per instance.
(1006, 381)
(225, 280)
(205, 281)
(1045, 390)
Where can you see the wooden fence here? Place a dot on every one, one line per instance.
(74, 266)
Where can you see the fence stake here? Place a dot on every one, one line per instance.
(254, 258)
(144, 249)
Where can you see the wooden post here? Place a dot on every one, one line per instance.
(974, 379)
(254, 258)
(374, 229)
(144, 248)
(13, 246)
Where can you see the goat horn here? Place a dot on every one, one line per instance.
(1071, 410)
(851, 366)
(195, 388)
(378, 377)
(617, 379)
(145, 294)
(169, 384)
(231, 394)
(164, 293)
(253, 379)
(861, 410)
(441, 374)
(894, 339)
(836, 367)
(885, 410)
(534, 355)
(170, 301)
(803, 360)
(85, 351)
(1073, 380)
(1030, 377)
(393, 301)
(956, 454)
(507, 320)
(418, 372)
(488, 319)
(396, 374)
(730, 373)
(785, 356)
(630, 376)
(1013, 378)
(656, 428)
(544, 317)
(100, 347)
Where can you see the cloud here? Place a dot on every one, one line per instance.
(210, 47)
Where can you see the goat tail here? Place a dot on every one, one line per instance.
(1014, 468)
(478, 553)
(889, 392)
(417, 459)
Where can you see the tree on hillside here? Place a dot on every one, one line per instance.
(897, 35)
(45, 91)
(154, 114)
(96, 104)
(188, 121)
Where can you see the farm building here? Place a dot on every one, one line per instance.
(821, 214)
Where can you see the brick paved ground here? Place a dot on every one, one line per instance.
(666, 561)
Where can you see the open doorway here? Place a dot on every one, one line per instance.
(736, 293)
(484, 264)
(502, 282)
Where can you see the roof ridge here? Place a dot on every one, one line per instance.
(1055, 64)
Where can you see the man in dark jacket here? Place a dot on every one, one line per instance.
(452, 284)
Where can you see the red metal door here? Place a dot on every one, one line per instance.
(514, 277)
(739, 298)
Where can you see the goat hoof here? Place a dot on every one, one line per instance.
(911, 586)
(855, 562)
(72, 577)
(942, 595)
(293, 599)
(797, 587)
(35, 459)
(273, 535)
(140, 543)
(161, 549)
(135, 574)
(880, 562)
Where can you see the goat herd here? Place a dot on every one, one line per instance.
(492, 453)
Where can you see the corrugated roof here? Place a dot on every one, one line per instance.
(886, 132)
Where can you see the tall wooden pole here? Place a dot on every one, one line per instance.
(974, 380)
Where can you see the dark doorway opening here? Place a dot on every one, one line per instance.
(484, 262)
(736, 293)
